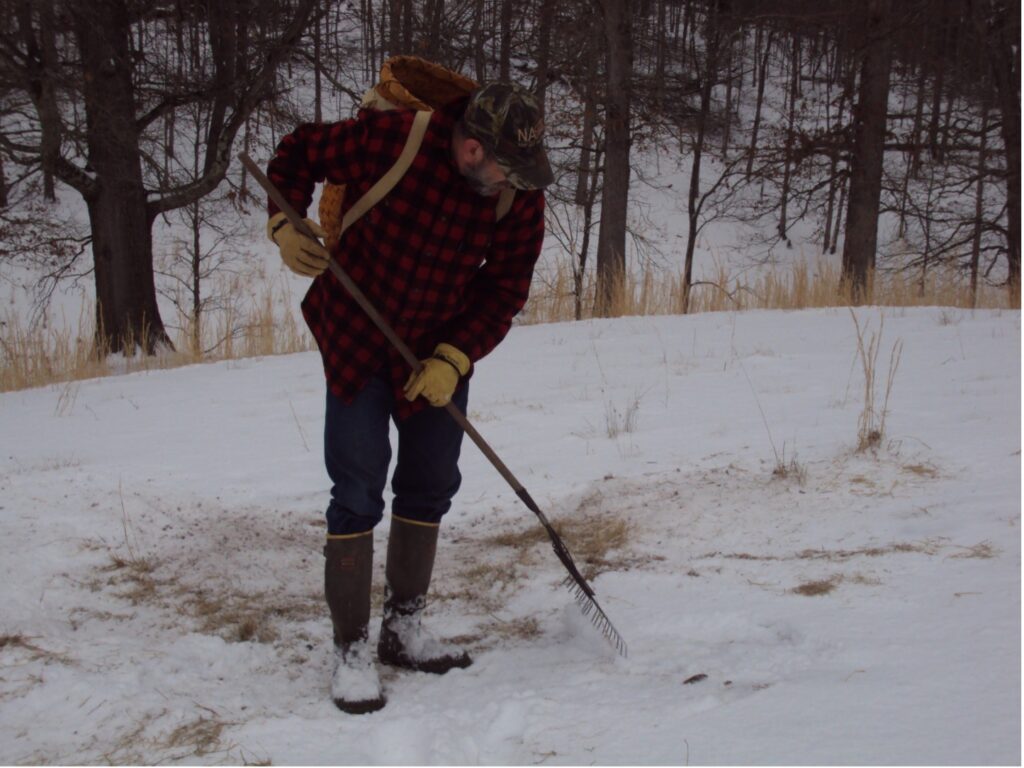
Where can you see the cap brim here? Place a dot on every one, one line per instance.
(530, 173)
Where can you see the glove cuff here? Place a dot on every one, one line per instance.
(453, 357)
(277, 221)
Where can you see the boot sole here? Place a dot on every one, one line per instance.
(433, 667)
(359, 707)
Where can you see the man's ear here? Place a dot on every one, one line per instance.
(473, 149)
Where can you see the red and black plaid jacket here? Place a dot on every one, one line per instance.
(429, 256)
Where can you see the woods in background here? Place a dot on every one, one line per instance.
(888, 132)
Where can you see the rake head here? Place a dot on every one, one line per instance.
(581, 590)
(588, 605)
(584, 593)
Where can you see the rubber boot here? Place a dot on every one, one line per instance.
(403, 640)
(348, 574)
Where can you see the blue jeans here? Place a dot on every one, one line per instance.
(357, 451)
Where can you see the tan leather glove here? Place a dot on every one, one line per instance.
(301, 255)
(439, 376)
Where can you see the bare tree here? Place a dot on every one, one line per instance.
(861, 243)
(999, 22)
(611, 249)
(106, 132)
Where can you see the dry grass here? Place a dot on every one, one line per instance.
(871, 424)
(803, 286)
(56, 352)
(835, 555)
(790, 470)
(622, 422)
(592, 540)
(219, 609)
(257, 324)
(980, 551)
(21, 642)
(921, 470)
(199, 737)
(597, 540)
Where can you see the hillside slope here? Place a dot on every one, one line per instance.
(160, 537)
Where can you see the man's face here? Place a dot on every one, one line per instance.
(483, 174)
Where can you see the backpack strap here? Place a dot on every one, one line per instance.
(387, 182)
(504, 204)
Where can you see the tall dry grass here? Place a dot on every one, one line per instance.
(51, 353)
(31, 357)
(871, 425)
(804, 286)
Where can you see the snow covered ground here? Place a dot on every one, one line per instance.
(160, 534)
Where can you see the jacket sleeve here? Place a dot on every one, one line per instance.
(500, 288)
(315, 152)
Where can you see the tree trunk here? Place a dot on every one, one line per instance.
(195, 216)
(580, 270)
(833, 180)
(505, 54)
(435, 17)
(938, 86)
(369, 40)
(787, 171)
(861, 240)
(979, 205)
(588, 135)
(760, 100)
(407, 19)
(611, 248)
(3, 184)
(547, 10)
(126, 309)
(712, 45)
(42, 57)
(1005, 35)
(915, 134)
(589, 171)
(318, 90)
(394, 37)
(839, 214)
(476, 37)
(225, 21)
(727, 129)
(660, 57)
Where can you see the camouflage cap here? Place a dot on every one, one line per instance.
(506, 119)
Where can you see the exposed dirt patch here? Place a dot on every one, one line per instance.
(981, 551)
(817, 588)
(921, 470)
(834, 555)
(20, 642)
(219, 607)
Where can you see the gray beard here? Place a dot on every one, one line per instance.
(478, 185)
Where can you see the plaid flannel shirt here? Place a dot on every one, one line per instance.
(429, 256)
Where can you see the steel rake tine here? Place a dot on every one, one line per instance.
(592, 611)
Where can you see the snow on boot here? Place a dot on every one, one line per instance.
(403, 640)
(348, 573)
(405, 643)
(355, 686)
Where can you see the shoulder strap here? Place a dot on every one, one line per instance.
(388, 181)
(504, 203)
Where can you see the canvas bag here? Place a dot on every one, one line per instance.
(406, 82)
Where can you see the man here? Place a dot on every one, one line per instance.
(449, 278)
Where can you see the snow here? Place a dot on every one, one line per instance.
(355, 677)
(162, 576)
